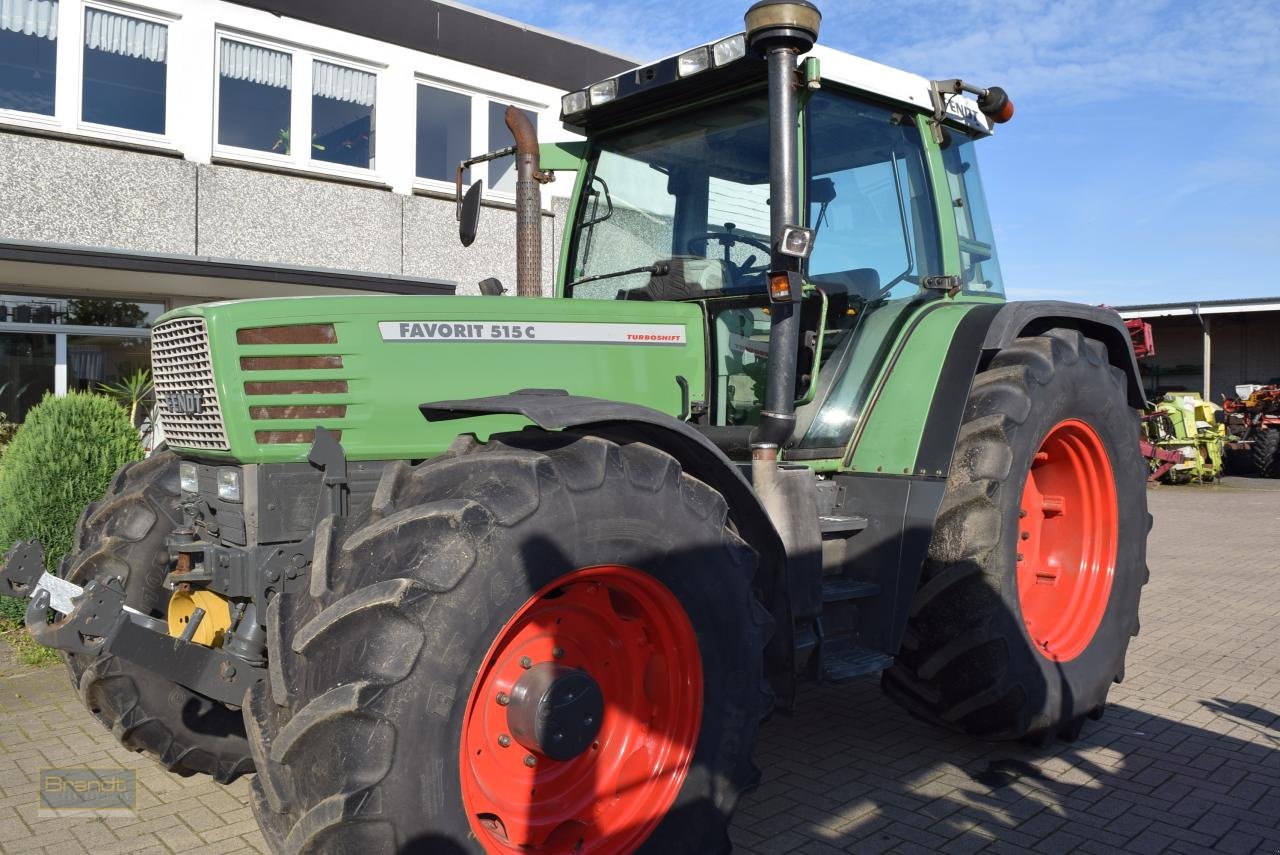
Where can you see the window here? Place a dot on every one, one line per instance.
(871, 204)
(444, 133)
(254, 86)
(691, 195)
(342, 114)
(502, 172)
(26, 372)
(28, 55)
(980, 268)
(57, 344)
(260, 111)
(93, 360)
(125, 71)
(869, 200)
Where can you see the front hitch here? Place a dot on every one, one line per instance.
(95, 620)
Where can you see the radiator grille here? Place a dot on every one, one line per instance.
(181, 367)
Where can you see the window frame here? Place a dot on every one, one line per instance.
(167, 19)
(480, 101)
(68, 94)
(300, 117)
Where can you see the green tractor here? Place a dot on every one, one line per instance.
(464, 574)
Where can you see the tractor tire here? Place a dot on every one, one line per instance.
(1030, 589)
(391, 720)
(1265, 456)
(123, 535)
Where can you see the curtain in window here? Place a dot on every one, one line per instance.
(240, 61)
(343, 84)
(30, 17)
(86, 363)
(118, 34)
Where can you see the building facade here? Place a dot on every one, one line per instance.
(164, 152)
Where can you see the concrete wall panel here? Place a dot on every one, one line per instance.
(87, 195)
(431, 246)
(283, 219)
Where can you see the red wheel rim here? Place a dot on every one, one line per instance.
(1068, 533)
(629, 633)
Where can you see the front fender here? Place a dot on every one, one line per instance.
(557, 410)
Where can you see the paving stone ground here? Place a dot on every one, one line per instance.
(1186, 760)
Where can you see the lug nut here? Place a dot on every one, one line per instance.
(1026, 535)
(504, 741)
(503, 699)
(526, 662)
(530, 760)
(557, 652)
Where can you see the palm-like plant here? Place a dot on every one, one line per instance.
(132, 392)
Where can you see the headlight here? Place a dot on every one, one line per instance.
(693, 61)
(729, 50)
(189, 477)
(603, 92)
(229, 485)
(574, 103)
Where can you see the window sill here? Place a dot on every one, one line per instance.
(41, 130)
(301, 172)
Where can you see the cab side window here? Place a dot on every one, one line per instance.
(868, 198)
(980, 268)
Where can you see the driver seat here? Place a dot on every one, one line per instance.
(688, 277)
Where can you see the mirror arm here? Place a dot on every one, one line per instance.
(467, 164)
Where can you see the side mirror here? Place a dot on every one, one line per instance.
(469, 216)
(822, 191)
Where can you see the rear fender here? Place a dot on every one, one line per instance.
(1033, 317)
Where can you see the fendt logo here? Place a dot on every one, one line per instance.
(185, 403)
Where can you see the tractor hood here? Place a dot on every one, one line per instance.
(250, 380)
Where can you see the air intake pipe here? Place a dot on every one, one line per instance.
(529, 175)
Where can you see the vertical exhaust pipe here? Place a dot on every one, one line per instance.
(781, 30)
(529, 175)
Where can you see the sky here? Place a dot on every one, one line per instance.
(1143, 162)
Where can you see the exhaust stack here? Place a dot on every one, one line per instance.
(529, 175)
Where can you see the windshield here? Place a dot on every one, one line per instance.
(677, 209)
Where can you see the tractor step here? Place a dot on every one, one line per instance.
(855, 662)
(839, 590)
(841, 524)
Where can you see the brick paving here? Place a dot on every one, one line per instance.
(1187, 759)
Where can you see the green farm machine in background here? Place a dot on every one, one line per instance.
(1183, 439)
(463, 574)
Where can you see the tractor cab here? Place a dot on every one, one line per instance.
(673, 201)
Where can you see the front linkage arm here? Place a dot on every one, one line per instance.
(95, 620)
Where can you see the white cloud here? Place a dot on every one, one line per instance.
(1066, 51)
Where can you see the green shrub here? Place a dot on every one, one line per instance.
(61, 459)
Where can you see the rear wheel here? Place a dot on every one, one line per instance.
(1266, 453)
(123, 536)
(547, 643)
(1030, 591)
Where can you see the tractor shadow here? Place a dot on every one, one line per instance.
(850, 770)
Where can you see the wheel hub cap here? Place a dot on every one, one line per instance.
(555, 711)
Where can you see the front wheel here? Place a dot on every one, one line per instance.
(1031, 585)
(546, 643)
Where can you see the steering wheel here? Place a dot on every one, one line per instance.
(727, 237)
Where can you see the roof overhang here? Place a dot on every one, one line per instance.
(59, 266)
(1207, 307)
